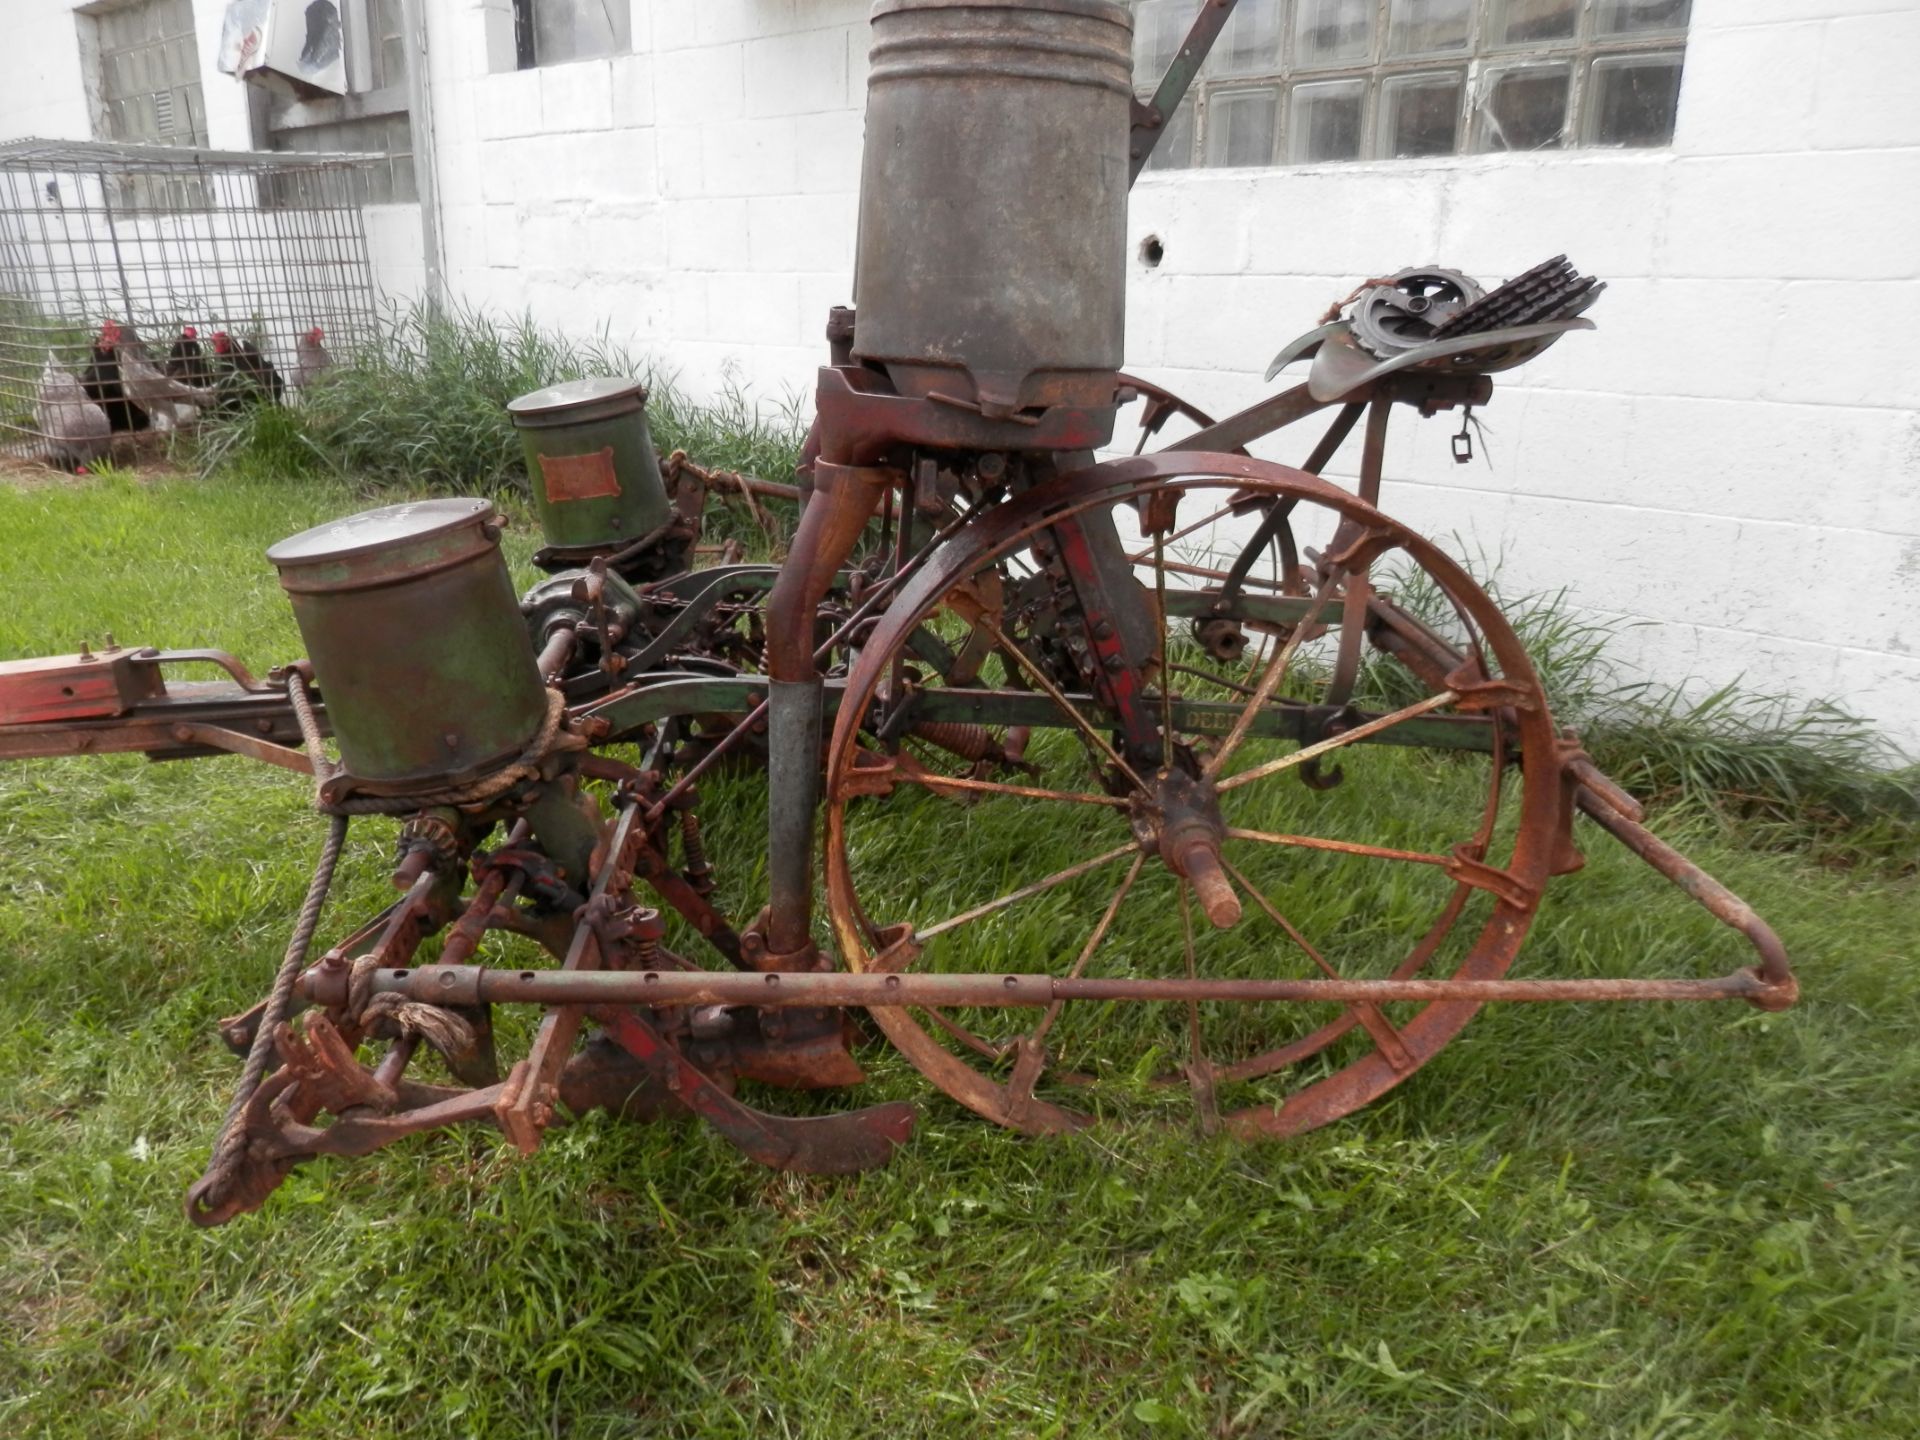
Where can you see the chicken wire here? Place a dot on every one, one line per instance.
(262, 246)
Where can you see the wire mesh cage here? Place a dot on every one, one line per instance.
(165, 240)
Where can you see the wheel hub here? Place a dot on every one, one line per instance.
(1179, 817)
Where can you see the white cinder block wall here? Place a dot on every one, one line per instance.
(1730, 465)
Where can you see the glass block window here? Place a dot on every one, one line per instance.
(148, 72)
(1297, 82)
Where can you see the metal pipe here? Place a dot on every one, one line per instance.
(477, 984)
(1775, 971)
(426, 175)
(555, 654)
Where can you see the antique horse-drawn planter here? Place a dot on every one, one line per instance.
(1174, 670)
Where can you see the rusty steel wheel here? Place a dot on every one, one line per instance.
(1110, 853)
(1161, 419)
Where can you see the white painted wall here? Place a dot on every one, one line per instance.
(1733, 458)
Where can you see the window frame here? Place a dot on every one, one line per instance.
(100, 57)
(376, 101)
(1481, 62)
(526, 45)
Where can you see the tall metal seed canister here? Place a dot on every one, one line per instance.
(411, 622)
(590, 459)
(993, 200)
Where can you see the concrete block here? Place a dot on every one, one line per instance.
(753, 308)
(577, 96)
(1502, 214)
(550, 168)
(499, 172)
(553, 240)
(703, 86)
(1746, 91)
(859, 47)
(461, 174)
(1806, 216)
(721, 21)
(613, 165)
(1897, 506)
(1674, 337)
(797, 74)
(633, 90)
(1886, 690)
(818, 295)
(463, 234)
(686, 305)
(1351, 221)
(705, 234)
(801, 232)
(1709, 15)
(1239, 322)
(749, 157)
(827, 152)
(624, 242)
(1789, 463)
(1202, 230)
(1865, 94)
(675, 23)
(1827, 346)
(502, 232)
(508, 105)
(682, 165)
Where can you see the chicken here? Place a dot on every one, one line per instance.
(145, 384)
(187, 361)
(102, 382)
(310, 360)
(244, 373)
(76, 430)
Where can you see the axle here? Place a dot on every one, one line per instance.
(658, 989)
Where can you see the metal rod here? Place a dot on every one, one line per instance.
(477, 984)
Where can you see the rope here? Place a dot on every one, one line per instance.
(526, 767)
(226, 1150)
(391, 1016)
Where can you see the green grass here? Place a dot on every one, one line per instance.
(1616, 1221)
(424, 405)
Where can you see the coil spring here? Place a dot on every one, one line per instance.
(969, 742)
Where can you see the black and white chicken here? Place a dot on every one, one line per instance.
(163, 397)
(102, 382)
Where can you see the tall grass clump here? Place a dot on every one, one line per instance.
(1783, 772)
(424, 405)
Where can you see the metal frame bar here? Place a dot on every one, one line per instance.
(661, 989)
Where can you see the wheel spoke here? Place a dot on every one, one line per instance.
(1348, 737)
(995, 787)
(1053, 1010)
(1026, 892)
(1166, 690)
(1085, 725)
(1201, 524)
(1377, 1025)
(1270, 678)
(1343, 847)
